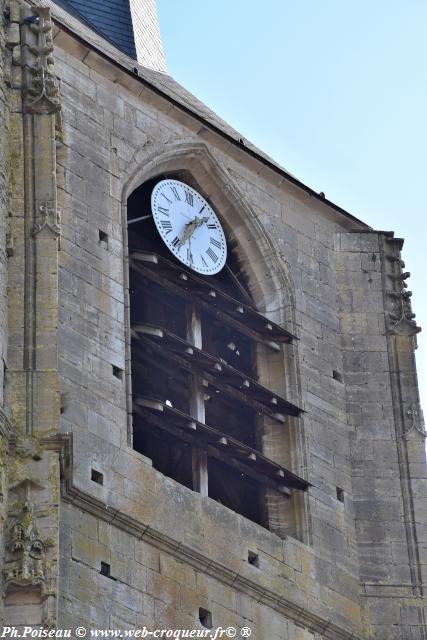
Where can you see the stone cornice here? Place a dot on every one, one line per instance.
(63, 443)
(394, 590)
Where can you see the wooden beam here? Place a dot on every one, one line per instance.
(233, 447)
(222, 375)
(199, 461)
(194, 327)
(212, 451)
(150, 274)
(213, 380)
(197, 404)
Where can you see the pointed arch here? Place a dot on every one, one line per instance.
(267, 274)
(268, 280)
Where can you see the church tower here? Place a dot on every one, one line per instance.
(209, 415)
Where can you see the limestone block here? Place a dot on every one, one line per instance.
(15, 11)
(148, 556)
(124, 569)
(351, 242)
(177, 571)
(162, 588)
(379, 509)
(13, 36)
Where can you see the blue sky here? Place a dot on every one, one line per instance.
(335, 91)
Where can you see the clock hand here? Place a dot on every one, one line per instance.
(189, 252)
(190, 228)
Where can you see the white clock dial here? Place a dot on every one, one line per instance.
(188, 226)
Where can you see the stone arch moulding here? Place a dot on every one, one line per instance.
(270, 282)
(266, 271)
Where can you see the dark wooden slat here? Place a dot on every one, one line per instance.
(218, 371)
(187, 295)
(224, 388)
(154, 265)
(242, 457)
(164, 365)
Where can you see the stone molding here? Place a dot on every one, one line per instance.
(199, 159)
(399, 315)
(6, 430)
(415, 419)
(30, 557)
(48, 219)
(401, 330)
(300, 616)
(30, 61)
(33, 393)
(261, 259)
(26, 561)
(39, 81)
(384, 590)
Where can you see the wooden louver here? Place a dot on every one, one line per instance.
(186, 284)
(154, 342)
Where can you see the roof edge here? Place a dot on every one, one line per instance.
(133, 71)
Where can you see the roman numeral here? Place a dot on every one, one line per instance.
(212, 255)
(201, 209)
(163, 210)
(211, 226)
(204, 262)
(166, 225)
(189, 198)
(166, 198)
(175, 242)
(215, 243)
(175, 193)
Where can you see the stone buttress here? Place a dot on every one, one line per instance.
(30, 536)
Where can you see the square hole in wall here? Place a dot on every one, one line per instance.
(340, 494)
(253, 558)
(106, 571)
(103, 238)
(97, 476)
(117, 372)
(205, 618)
(337, 376)
(64, 399)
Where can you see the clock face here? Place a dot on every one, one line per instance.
(188, 226)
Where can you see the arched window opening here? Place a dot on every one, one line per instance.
(199, 411)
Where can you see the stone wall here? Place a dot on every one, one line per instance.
(110, 135)
(135, 547)
(389, 470)
(158, 588)
(28, 466)
(112, 138)
(4, 201)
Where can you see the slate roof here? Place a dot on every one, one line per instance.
(110, 18)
